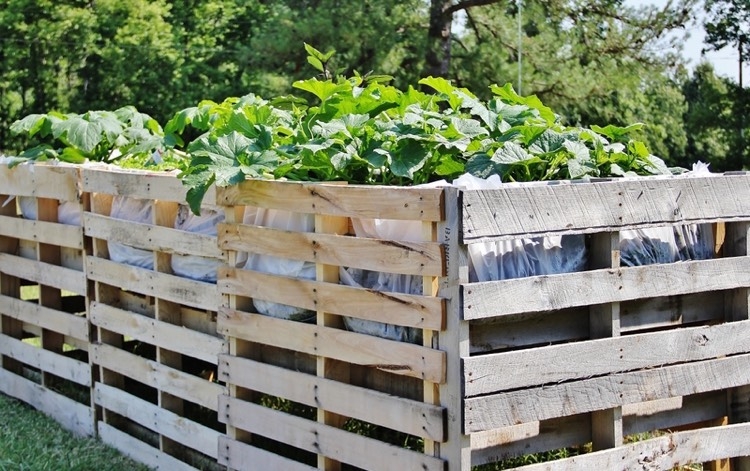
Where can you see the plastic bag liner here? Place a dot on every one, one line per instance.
(136, 210)
(285, 220)
(668, 244)
(197, 267)
(518, 258)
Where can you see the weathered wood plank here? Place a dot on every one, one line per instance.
(47, 318)
(665, 452)
(413, 417)
(418, 204)
(172, 337)
(670, 311)
(179, 429)
(325, 440)
(668, 414)
(46, 360)
(395, 357)
(138, 450)
(44, 273)
(553, 292)
(557, 363)
(530, 210)
(409, 258)
(56, 181)
(42, 231)
(539, 328)
(237, 455)
(179, 290)
(71, 415)
(539, 403)
(161, 377)
(142, 184)
(150, 237)
(424, 312)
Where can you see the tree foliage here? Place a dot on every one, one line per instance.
(596, 62)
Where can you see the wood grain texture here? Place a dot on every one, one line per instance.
(325, 440)
(241, 456)
(671, 311)
(553, 292)
(57, 181)
(176, 338)
(584, 207)
(71, 415)
(665, 452)
(139, 450)
(141, 184)
(410, 258)
(558, 363)
(527, 405)
(44, 273)
(161, 377)
(43, 232)
(160, 285)
(413, 417)
(47, 318)
(180, 429)
(384, 202)
(46, 360)
(396, 357)
(424, 312)
(150, 237)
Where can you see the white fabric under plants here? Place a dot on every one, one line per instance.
(136, 210)
(194, 266)
(395, 230)
(68, 212)
(284, 220)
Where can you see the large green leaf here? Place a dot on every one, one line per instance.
(321, 89)
(409, 158)
(80, 133)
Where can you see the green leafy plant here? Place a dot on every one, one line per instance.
(124, 136)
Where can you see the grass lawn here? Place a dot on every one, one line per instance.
(31, 441)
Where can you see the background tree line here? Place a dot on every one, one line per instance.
(592, 61)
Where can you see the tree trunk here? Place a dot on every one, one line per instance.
(438, 58)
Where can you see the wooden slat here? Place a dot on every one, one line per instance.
(138, 450)
(530, 210)
(42, 231)
(58, 181)
(71, 415)
(553, 292)
(395, 357)
(541, 328)
(359, 451)
(238, 455)
(423, 312)
(46, 360)
(412, 417)
(501, 410)
(172, 337)
(409, 258)
(179, 429)
(44, 273)
(150, 237)
(670, 311)
(164, 378)
(665, 452)
(47, 318)
(417, 204)
(160, 285)
(142, 184)
(665, 414)
(557, 363)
